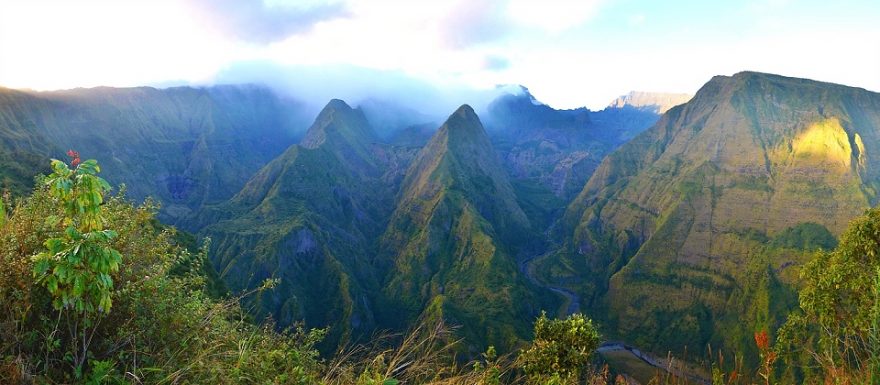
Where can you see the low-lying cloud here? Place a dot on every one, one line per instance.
(355, 85)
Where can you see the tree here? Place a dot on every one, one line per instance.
(77, 262)
(840, 303)
(561, 349)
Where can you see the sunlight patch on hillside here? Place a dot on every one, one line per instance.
(823, 142)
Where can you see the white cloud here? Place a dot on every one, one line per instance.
(62, 44)
(553, 16)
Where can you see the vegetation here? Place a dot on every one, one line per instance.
(96, 291)
(561, 350)
(76, 266)
(56, 322)
(839, 317)
(805, 236)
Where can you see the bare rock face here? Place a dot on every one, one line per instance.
(658, 102)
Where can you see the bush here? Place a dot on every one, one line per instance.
(838, 324)
(163, 327)
(561, 350)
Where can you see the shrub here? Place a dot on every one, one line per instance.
(163, 327)
(561, 349)
(837, 324)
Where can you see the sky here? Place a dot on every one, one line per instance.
(569, 53)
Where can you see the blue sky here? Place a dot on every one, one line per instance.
(569, 53)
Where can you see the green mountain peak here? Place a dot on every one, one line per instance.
(452, 239)
(345, 132)
(459, 157)
(339, 122)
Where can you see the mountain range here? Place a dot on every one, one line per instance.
(674, 221)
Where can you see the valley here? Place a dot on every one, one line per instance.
(674, 227)
(384, 192)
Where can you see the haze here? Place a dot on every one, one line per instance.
(435, 54)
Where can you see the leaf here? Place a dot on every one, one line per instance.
(42, 264)
(54, 245)
(52, 284)
(78, 286)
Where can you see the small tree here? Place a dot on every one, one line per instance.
(561, 349)
(839, 317)
(77, 263)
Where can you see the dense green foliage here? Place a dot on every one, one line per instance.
(805, 236)
(314, 230)
(839, 314)
(76, 266)
(163, 328)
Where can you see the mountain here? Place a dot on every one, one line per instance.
(673, 233)
(657, 102)
(549, 153)
(183, 146)
(311, 218)
(453, 238)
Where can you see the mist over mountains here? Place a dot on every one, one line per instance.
(664, 217)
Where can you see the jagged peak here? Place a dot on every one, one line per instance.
(337, 105)
(515, 94)
(464, 128)
(459, 154)
(338, 119)
(465, 113)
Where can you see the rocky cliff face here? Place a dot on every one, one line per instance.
(658, 102)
